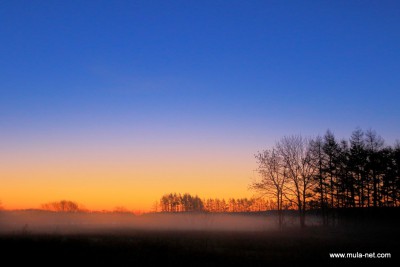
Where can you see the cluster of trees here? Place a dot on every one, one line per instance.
(324, 173)
(174, 202)
(62, 206)
(237, 205)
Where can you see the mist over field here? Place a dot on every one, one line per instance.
(36, 221)
(194, 238)
(191, 239)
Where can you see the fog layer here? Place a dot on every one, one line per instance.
(60, 222)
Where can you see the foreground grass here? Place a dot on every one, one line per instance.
(200, 248)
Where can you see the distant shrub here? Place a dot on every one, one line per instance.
(62, 206)
(121, 209)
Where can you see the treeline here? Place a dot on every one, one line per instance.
(237, 205)
(325, 173)
(174, 202)
(361, 172)
(63, 206)
(72, 206)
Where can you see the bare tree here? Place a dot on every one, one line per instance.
(62, 206)
(374, 144)
(272, 178)
(174, 202)
(361, 172)
(300, 170)
(331, 149)
(319, 160)
(357, 160)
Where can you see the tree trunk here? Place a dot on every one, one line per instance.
(302, 219)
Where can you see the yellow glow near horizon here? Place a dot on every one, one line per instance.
(104, 179)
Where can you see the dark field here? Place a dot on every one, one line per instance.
(146, 247)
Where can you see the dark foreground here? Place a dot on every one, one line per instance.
(201, 248)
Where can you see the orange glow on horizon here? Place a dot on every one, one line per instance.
(101, 180)
(104, 194)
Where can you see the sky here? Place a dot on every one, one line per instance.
(115, 103)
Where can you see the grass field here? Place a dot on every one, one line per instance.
(200, 248)
(198, 239)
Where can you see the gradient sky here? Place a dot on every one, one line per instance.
(114, 103)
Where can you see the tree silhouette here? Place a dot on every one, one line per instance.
(331, 150)
(357, 164)
(300, 170)
(62, 206)
(273, 179)
(374, 164)
(323, 173)
(316, 147)
(176, 203)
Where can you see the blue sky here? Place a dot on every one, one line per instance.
(283, 67)
(179, 95)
